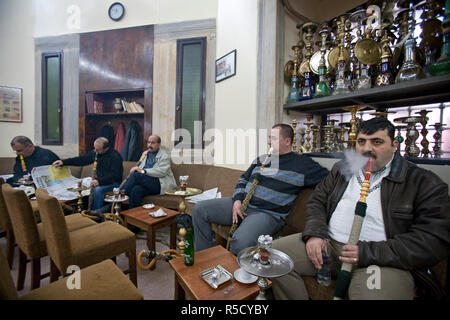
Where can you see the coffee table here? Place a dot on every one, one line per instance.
(188, 280)
(140, 218)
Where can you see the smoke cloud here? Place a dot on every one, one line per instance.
(353, 162)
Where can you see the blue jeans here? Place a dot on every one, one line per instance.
(140, 185)
(99, 195)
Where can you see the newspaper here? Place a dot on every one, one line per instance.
(57, 180)
(206, 195)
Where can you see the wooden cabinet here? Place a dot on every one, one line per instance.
(115, 64)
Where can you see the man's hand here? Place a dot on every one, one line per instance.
(314, 248)
(94, 183)
(57, 163)
(350, 254)
(135, 169)
(237, 211)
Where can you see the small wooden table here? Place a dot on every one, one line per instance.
(188, 280)
(140, 218)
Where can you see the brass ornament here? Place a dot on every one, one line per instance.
(368, 51)
(333, 57)
(315, 61)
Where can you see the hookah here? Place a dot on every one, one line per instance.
(294, 94)
(410, 69)
(442, 65)
(305, 69)
(322, 88)
(342, 84)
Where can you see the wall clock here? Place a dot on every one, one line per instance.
(116, 11)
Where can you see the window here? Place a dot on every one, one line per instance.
(439, 113)
(52, 126)
(190, 90)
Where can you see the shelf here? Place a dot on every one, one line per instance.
(425, 91)
(115, 114)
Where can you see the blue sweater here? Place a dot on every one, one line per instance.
(278, 188)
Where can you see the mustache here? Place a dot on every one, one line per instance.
(369, 154)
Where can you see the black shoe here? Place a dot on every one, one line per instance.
(105, 208)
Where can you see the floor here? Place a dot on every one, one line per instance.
(157, 284)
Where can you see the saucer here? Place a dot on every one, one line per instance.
(244, 277)
(148, 206)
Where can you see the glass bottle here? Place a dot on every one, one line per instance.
(189, 248)
(324, 274)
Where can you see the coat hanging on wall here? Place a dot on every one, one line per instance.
(120, 137)
(131, 150)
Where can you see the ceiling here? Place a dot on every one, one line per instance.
(321, 10)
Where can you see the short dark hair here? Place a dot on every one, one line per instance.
(25, 141)
(285, 130)
(375, 124)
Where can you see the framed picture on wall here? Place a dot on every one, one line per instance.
(10, 104)
(226, 66)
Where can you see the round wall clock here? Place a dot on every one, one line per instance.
(116, 11)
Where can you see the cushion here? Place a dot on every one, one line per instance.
(102, 281)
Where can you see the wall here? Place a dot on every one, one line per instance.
(23, 20)
(235, 97)
(17, 66)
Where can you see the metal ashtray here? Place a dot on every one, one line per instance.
(216, 276)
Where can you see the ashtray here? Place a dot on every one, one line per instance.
(148, 206)
(216, 276)
(244, 277)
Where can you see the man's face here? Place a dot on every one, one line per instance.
(22, 150)
(152, 143)
(279, 144)
(98, 147)
(378, 146)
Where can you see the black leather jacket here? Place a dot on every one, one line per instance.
(416, 214)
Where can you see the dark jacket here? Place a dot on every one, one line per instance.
(40, 157)
(131, 150)
(109, 165)
(416, 215)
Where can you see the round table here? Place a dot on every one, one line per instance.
(183, 194)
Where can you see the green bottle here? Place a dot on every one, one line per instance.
(189, 248)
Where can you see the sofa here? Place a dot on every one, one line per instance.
(206, 177)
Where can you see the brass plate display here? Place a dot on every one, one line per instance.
(288, 69)
(368, 51)
(304, 67)
(333, 57)
(315, 61)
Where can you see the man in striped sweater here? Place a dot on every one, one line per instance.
(279, 184)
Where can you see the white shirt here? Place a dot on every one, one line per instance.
(342, 218)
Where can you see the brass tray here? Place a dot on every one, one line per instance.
(223, 276)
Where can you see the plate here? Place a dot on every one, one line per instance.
(148, 206)
(244, 277)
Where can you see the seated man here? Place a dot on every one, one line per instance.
(152, 176)
(405, 230)
(109, 169)
(269, 206)
(33, 156)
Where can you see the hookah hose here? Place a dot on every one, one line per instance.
(22, 162)
(249, 196)
(94, 176)
(344, 275)
(144, 155)
(154, 256)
